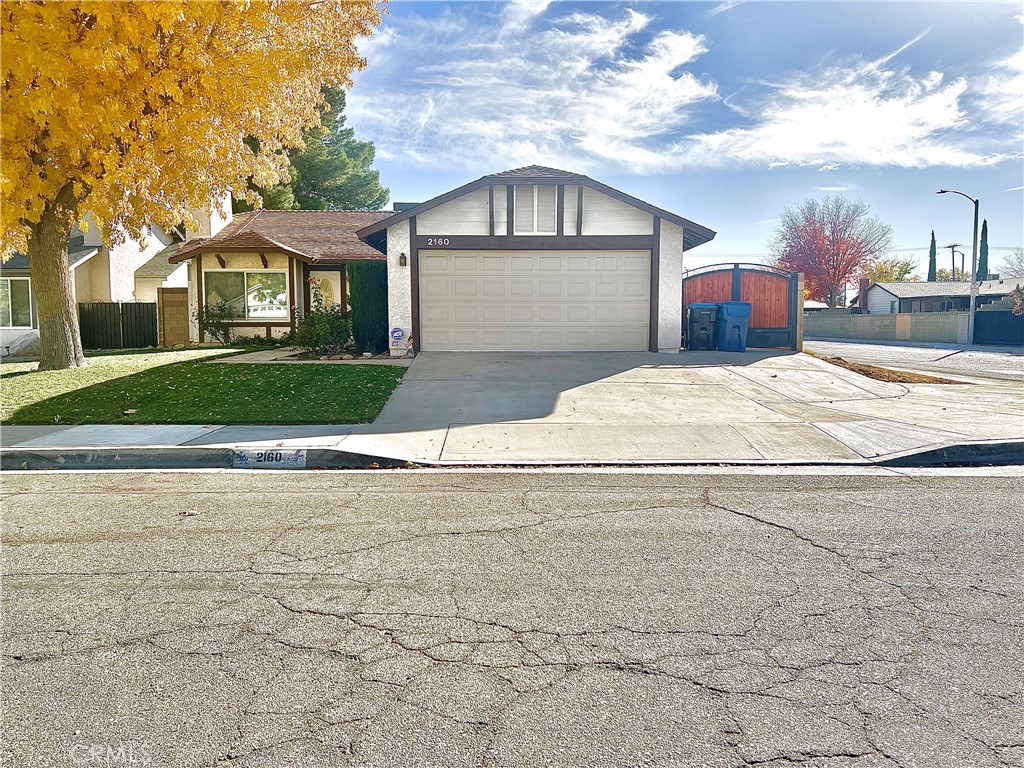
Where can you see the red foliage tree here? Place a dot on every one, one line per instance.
(832, 241)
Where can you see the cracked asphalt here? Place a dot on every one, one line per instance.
(642, 618)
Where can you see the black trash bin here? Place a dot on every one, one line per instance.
(733, 322)
(700, 326)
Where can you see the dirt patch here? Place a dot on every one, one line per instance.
(886, 374)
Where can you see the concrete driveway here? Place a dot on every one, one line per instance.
(534, 408)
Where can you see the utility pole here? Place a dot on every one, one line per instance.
(974, 261)
(952, 258)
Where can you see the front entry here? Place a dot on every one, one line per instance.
(534, 300)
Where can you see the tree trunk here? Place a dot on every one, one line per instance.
(60, 342)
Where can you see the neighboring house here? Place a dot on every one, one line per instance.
(535, 259)
(127, 272)
(261, 262)
(909, 297)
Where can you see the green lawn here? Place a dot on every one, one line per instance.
(182, 388)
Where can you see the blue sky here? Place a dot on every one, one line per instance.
(724, 113)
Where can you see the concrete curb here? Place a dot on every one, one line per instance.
(979, 453)
(177, 458)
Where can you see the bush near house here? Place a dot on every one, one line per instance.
(368, 294)
(325, 329)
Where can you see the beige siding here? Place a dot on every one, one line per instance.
(880, 301)
(603, 215)
(500, 210)
(571, 198)
(466, 215)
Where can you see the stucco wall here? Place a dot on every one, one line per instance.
(670, 288)
(939, 327)
(399, 286)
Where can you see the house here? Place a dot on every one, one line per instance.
(534, 259)
(908, 297)
(126, 272)
(261, 263)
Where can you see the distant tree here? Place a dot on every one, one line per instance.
(891, 270)
(982, 272)
(932, 261)
(831, 241)
(1013, 266)
(957, 276)
(332, 172)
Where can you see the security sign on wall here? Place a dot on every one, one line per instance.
(397, 334)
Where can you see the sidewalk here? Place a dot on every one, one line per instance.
(629, 409)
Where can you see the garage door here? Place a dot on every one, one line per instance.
(534, 300)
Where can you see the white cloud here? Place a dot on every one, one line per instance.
(722, 7)
(588, 89)
(1002, 92)
(839, 188)
(828, 167)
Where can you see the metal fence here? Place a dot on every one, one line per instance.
(117, 325)
(998, 328)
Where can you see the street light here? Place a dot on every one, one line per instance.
(974, 260)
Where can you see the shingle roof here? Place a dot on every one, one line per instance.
(318, 237)
(535, 172)
(78, 252)
(160, 265)
(927, 290)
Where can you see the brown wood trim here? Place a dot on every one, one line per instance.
(539, 243)
(259, 324)
(510, 209)
(579, 210)
(655, 284)
(266, 264)
(292, 303)
(490, 208)
(200, 293)
(344, 287)
(269, 330)
(559, 211)
(414, 277)
(307, 296)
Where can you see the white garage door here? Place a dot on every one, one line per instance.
(534, 300)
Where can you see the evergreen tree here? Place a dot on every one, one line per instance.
(982, 272)
(332, 173)
(932, 265)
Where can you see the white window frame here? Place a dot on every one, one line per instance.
(244, 273)
(515, 217)
(30, 304)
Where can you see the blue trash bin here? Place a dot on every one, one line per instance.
(731, 329)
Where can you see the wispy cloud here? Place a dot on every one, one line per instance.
(594, 91)
(587, 88)
(722, 7)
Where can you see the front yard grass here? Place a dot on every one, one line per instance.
(181, 387)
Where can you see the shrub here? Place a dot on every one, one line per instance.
(324, 330)
(214, 320)
(368, 286)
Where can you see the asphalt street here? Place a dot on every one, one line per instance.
(990, 364)
(853, 618)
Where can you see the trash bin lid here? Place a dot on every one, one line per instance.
(736, 308)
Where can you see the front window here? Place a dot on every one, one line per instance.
(535, 209)
(15, 303)
(252, 295)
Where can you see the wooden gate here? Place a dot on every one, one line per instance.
(776, 299)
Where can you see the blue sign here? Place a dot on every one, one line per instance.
(397, 334)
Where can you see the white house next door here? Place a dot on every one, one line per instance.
(534, 300)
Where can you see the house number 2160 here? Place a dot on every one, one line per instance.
(438, 241)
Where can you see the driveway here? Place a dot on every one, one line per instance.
(535, 408)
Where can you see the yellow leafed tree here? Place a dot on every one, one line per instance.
(136, 112)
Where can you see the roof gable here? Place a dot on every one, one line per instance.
(317, 237)
(693, 234)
